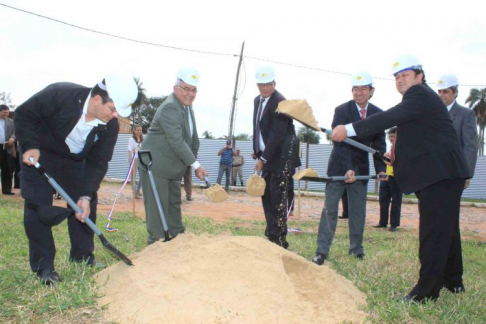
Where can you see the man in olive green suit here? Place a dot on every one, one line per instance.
(173, 142)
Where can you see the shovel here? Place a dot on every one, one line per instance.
(342, 178)
(53, 215)
(142, 154)
(289, 107)
(215, 193)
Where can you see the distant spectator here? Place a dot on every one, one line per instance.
(238, 162)
(225, 163)
(7, 141)
(134, 144)
(390, 192)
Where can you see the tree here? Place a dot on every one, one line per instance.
(136, 117)
(477, 101)
(207, 135)
(241, 137)
(148, 109)
(6, 100)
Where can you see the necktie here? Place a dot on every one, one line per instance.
(363, 113)
(257, 126)
(188, 117)
(392, 151)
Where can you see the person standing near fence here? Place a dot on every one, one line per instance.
(134, 144)
(225, 164)
(238, 162)
(7, 142)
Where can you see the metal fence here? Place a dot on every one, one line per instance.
(318, 158)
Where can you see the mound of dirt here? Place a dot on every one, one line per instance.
(226, 279)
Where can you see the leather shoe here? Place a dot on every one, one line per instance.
(379, 226)
(319, 258)
(393, 229)
(188, 198)
(456, 290)
(408, 299)
(48, 276)
(360, 256)
(343, 217)
(9, 193)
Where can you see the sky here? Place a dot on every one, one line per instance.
(317, 45)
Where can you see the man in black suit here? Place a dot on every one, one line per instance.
(463, 120)
(276, 149)
(7, 147)
(72, 131)
(428, 161)
(350, 161)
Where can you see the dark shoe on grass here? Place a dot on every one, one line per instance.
(319, 258)
(48, 276)
(379, 226)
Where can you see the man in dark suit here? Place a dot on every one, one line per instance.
(428, 160)
(463, 120)
(350, 161)
(71, 130)
(7, 141)
(276, 149)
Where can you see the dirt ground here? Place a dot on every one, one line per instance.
(241, 205)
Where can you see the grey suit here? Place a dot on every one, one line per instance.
(173, 149)
(6, 160)
(464, 122)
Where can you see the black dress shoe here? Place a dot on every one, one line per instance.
(393, 229)
(48, 276)
(408, 299)
(189, 198)
(343, 217)
(360, 256)
(456, 290)
(8, 193)
(379, 226)
(319, 258)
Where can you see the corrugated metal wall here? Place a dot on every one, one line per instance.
(318, 158)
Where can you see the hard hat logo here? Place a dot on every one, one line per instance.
(396, 64)
(447, 80)
(406, 62)
(362, 78)
(194, 77)
(264, 75)
(358, 78)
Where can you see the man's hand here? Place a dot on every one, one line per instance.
(339, 133)
(84, 205)
(382, 179)
(258, 166)
(34, 153)
(466, 184)
(200, 173)
(351, 176)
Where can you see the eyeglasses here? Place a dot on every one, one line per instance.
(187, 89)
(357, 89)
(265, 85)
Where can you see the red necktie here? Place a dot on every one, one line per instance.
(392, 151)
(363, 113)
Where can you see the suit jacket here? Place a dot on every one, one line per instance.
(278, 135)
(45, 120)
(9, 133)
(427, 147)
(464, 122)
(345, 157)
(169, 140)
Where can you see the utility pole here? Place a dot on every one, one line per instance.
(233, 106)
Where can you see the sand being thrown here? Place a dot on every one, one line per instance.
(226, 279)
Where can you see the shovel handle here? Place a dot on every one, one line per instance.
(207, 181)
(145, 153)
(66, 197)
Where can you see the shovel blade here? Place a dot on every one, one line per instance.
(115, 251)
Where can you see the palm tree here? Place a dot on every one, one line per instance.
(137, 107)
(477, 101)
(207, 135)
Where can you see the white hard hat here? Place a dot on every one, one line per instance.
(123, 90)
(265, 74)
(447, 81)
(188, 75)
(362, 78)
(406, 62)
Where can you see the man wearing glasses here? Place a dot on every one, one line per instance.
(349, 161)
(276, 149)
(173, 142)
(72, 131)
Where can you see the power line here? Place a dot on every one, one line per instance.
(204, 52)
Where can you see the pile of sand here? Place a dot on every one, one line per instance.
(226, 279)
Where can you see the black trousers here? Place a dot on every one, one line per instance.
(6, 164)
(440, 250)
(390, 192)
(275, 203)
(69, 174)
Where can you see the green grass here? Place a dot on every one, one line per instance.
(389, 271)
